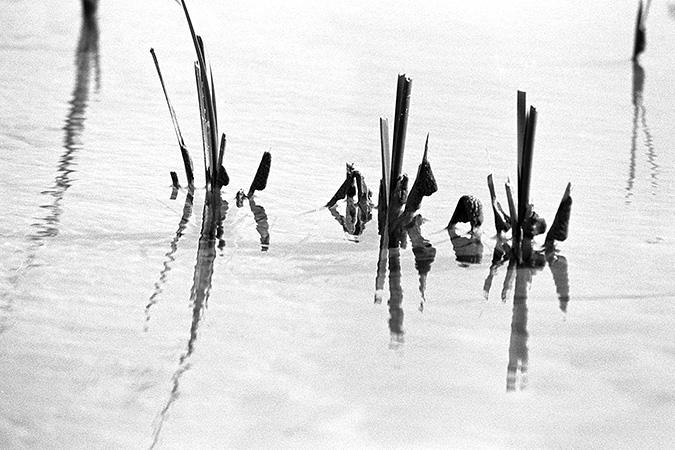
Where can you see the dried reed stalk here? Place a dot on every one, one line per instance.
(187, 160)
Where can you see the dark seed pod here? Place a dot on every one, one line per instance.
(424, 186)
(469, 209)
(534, 225)
(260, 179)
(223, 177)
(342, 190)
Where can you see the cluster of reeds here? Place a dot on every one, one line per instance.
(396, 210)
(215, 174)
(213, 144)
(523, 221)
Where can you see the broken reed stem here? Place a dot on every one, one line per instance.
(386, 156)
(521, 117)
(174, 180)
(500, 220)
(515, 228)
(400, 127)
(207, 103)
(208, 163)
(382, 209)
(526, 170)
(187, 160)
(385, 183)
(398, 148)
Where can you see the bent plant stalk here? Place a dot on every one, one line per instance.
(187, 160)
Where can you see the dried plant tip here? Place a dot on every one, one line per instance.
(560, 226)
(502, 220)
(223, 177)
(533, 225)
(469, 209)
(424, 186)
(263, 172)
(341, 193)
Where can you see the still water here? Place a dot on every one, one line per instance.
(120, 329)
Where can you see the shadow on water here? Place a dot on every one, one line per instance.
(215, 210)
(640, 123)
(522, 274)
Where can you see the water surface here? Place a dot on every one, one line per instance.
(122, 327)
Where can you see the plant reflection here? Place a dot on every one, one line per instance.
(358, 208)
(159, 284)
(397, 218)
(215, 210)
(262, 223)
(640, 122)
(425, 253)
(468, 247)
(518, 352)
(522, 274)
(86, 60)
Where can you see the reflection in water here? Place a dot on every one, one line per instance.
(558, 265)
(187, 212)
(424, 252)
(260, 216)
(468, 247)
(509, 278)
(518, 352)
(640, 122)
(522, 274)
(358, 208)
(262, 224)
(215, 209)
(501, 254)
(86, 60)
(259, 183)
(395, 298)
(402, 220)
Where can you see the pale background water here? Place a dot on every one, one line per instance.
(100, 346)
